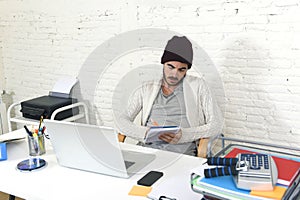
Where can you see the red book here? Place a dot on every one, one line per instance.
(287, 169)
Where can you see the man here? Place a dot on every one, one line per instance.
(177, 99)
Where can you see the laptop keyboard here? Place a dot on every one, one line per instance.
(128, 164)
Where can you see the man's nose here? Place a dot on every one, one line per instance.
(174, 73)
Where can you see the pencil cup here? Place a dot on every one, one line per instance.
(36, 145)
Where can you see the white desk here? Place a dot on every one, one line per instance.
(55, 182)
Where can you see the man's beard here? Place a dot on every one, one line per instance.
(172, 78)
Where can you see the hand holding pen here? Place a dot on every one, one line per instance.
(170, 138)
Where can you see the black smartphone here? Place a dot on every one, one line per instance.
(150, 178)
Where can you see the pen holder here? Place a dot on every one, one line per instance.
(36, 145)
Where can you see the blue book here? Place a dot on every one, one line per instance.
(222, 186)
(225, 182)
(3, 151)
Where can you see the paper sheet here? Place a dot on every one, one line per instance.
(12, 136)
(177, 187)
(64, 85)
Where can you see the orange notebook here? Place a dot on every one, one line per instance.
(277, 193)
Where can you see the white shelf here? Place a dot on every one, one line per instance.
(22, 120)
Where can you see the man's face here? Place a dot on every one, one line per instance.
(174, 72)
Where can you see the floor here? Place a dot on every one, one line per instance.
(4, 196)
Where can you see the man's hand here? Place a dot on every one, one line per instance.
(171, 137)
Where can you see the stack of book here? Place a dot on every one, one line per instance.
(224, 186)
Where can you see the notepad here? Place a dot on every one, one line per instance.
(155, 131)
(139, 190)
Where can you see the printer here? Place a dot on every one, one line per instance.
(47, 104)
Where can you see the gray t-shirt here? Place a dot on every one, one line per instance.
(170, 111)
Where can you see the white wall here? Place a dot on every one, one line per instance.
(2, 86)
(254, 44)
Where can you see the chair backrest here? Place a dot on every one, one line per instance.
(121, 137)
(202, 147)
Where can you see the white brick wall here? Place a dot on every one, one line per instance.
(1, 72)
(254, 44)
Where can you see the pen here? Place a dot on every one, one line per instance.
(27, 130)
(41, 146)
(41, 120)
(43, 130)
(36, 144)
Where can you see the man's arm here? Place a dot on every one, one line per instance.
(213, 119)
(125, 121)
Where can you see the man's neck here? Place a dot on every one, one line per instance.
(167, 89)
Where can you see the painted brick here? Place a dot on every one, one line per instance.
(255, 46)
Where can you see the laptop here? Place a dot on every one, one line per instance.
(94, 149)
